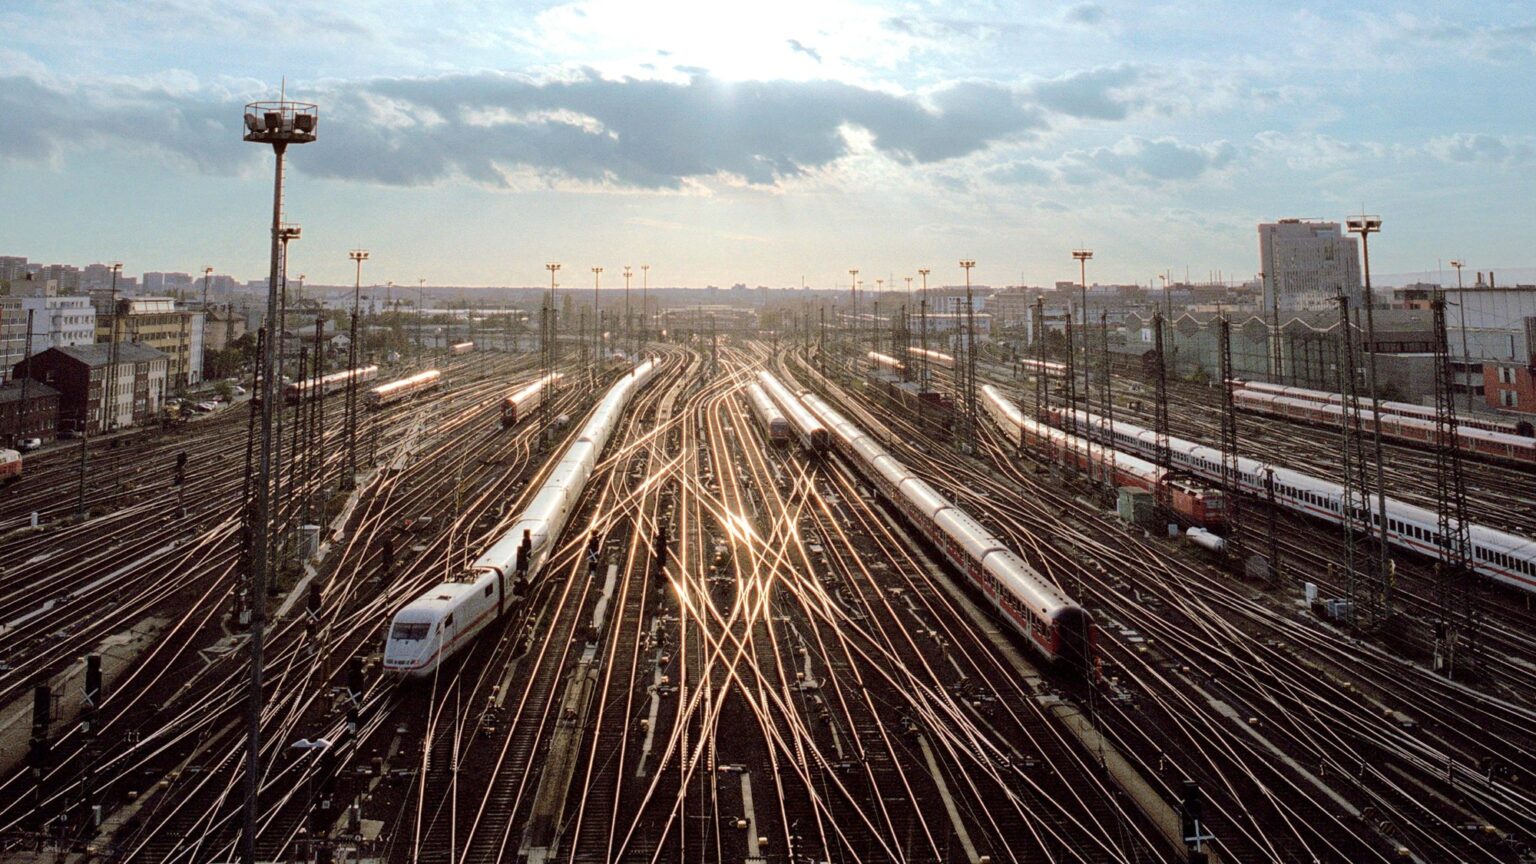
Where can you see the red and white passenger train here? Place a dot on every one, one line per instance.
(1051, 621)
(403, 388)
(520, 405)
(297, 391)
(775, 427)
(1403, 423)
(807, 428)
(1193, 500)
(937, 358)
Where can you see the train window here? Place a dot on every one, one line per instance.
(448, 622)
(410, 631)
(488, 590)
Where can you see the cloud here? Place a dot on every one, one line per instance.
(622, 132)
(1316, 151)
(1481, 148)
(795, 45)
(1133, 159)
(1086, 14)
(1095, 94)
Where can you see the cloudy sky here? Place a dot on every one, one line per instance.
(470, 142)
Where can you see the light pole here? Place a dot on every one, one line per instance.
(278, 124)
(1083, 256)
(923, 339)
(645, 297)
(626, 305)
(1365, 226)
(547, 337)
(110, 396)
(358, 256)
(853, 293)
(969, 411)
(421, 320)
(207, 274)
(597, 275)
(1461, 305)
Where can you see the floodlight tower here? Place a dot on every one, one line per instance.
(597, 275)
(547, 338)
(1365, 226)
(358, 256)
(627, 274)
(645, 297)
(1461, 305)
(109, 401)
(1083, 256)
(207, 274)
(922, 385)
(853, 293)
(969, 410)
(279, 124)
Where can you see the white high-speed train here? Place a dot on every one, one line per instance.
(1503, 557)
(1052, 622)
(444, 619)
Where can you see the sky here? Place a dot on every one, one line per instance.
(771, 143)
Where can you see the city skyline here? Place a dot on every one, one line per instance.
(470, 145)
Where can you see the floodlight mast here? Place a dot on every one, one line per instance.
(278, 124)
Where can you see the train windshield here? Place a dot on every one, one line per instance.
(404, 630)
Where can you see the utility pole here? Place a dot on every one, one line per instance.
(645, 304)
(207, 274)
(1230, 484)
(1107, 453)
(279, 124)
(1457, 602)
(1163, 456)
(1348, 389)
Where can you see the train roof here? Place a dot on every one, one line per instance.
(1480, 534)
(440, 599)
(408, 381)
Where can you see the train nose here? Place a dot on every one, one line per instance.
(405, 657)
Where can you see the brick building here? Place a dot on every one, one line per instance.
(136, 384)
(28, 409)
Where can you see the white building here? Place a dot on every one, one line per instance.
(1306, 264)
(59, 322)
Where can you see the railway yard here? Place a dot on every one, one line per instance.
(762, 612)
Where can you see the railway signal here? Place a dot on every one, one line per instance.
(180, 482)
(1191, 812)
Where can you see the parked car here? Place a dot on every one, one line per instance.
(28, 444)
